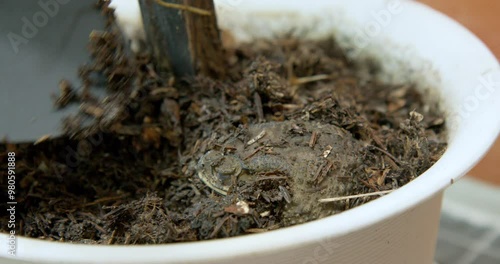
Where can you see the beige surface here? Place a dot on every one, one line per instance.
(483, 18)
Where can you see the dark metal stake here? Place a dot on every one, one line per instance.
(184, 37)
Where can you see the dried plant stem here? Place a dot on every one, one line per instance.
(336, 199)
(191, 9)
(388, 154)
(257, 138)
(308, 79)
(104, 199)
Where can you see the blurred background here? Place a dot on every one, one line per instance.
(470, 222)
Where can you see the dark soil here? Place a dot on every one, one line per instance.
(161, 160)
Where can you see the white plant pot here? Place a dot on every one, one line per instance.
(415, 43)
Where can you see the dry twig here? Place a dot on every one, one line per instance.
(187, 8)
(336, 199)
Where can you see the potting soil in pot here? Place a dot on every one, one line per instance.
(161, 160)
